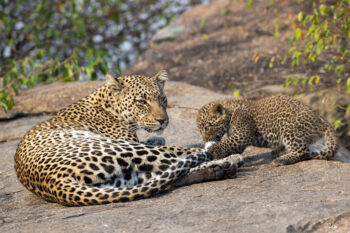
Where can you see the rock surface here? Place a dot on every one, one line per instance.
(332, 104)
(224, 46)
(39, 99)
(308, 196)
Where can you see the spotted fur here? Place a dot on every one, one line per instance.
(89, 152)
(283, 123)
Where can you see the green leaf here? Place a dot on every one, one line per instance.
(23, 66)
(325, 26)
(339, 69)
(203, 22)
(348, 86)
(15, 88)
(24, 81)
(323, 9)
(276, 29)
(272, 60)
(49, 33)
(313, 58)
(36, 39)
(347, 110)
(31, 62)
(4, 106)
(314, 80)
(102, 68)
(288, 82)
(319, 48)
(236, 93)
(249, 4)
(297, 33)
(336, 124)
(38, 7)
(93, 75)
(300, 16)
(303, 82)
(40, 54)
(10, 102)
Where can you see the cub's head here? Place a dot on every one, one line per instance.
(139, 101)
(213, 121)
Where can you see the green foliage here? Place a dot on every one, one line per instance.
(326, 28)
(323, 31)
(304, 82)
(45, 41)
(33, 69)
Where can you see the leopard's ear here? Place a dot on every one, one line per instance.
(113, 82)
(217, 110)
(161, 77)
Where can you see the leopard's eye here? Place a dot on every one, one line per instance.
(206, 128)
(141, 102)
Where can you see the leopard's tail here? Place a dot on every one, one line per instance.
(330, 147)
(73, 193)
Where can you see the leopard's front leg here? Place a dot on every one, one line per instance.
(213, 170)
(206, 171)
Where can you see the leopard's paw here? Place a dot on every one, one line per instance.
(229, 165)
(155, 141)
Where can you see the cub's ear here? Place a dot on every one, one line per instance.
(161, 77)
(217, 110)
(113, 82)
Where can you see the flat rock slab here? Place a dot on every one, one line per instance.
(308, 195)
(339, 223)
(49, 98)
(261, 199)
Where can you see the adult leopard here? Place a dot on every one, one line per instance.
(89, 152)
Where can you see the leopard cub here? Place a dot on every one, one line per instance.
(291, 128)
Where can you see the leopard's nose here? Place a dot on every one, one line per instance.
(161, 121)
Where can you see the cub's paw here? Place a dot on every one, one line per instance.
(208, 144)
(155, 141)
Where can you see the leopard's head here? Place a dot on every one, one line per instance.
(213, 121)
(139, 100)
